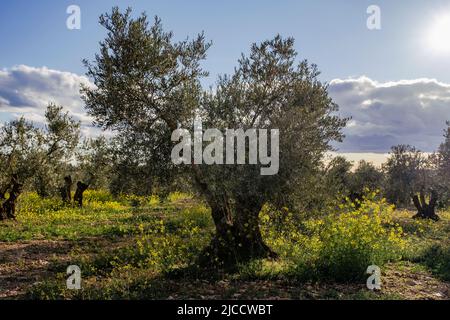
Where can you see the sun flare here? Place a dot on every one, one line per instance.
(439, 35)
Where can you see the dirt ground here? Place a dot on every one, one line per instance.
(24, 263)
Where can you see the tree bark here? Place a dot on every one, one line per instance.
(66, 190)
(8, 207)
(78, 197)
(424, 210)
(238, 237)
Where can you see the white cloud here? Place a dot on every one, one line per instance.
(383, 114)
(386, 114)
(26, 91)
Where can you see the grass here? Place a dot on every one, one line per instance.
(142, 248)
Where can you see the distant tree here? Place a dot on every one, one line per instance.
(38, 157)
(78, 196)
(366, 176)
(141, 164)
(20, 146)
(66, 190)
(338, 177)
(61, 137)
(404, 172)
(8, 206)
(145, 84)
(442, 166)
(444, 150)
(95, 161)
(411, 176)
(344, 183)
(426, 210)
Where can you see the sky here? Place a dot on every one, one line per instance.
(393, 82)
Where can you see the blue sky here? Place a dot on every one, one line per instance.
(331, 33)
(376, 76)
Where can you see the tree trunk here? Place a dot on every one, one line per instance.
(238, 237)
(8, 207)
(78, 197)
(424, 210)
(66, 190)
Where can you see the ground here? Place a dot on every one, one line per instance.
(121, 252)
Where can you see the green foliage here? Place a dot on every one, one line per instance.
(342, 245)
(95, 162)
(40, 157)
(162, 251)
(49, 218)
(141, 74)
(366, 177)
(338, 178)
(159, 246)
(356, 238)
(405, 174)
(145, 86)
(437, 258)
(136, 252)
(442, 158)
(338, 181)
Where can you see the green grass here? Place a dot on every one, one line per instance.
(429, 243)
(101, 216)
(142, 248)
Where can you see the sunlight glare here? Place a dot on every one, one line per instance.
(439, 35)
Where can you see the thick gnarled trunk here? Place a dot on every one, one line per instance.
(238, 237)
(425, 210)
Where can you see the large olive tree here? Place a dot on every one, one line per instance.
(148, 85)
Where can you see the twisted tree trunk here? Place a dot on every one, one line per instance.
(78, 197)
(424, 210)
(8, 207)
(66, 190)
(238, 236)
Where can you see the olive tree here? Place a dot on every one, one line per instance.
(403, 171)
(36, 155)
(444, 159)
(441, 162)
(95, 161)
(366, 177)
(149, 85)
(61, 136)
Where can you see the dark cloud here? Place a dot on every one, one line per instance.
(385, 114)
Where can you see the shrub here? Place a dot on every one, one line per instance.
(354, 238)
(437, 258)
(30, 203)
(97, 196)
(340, 246)
(165, 245)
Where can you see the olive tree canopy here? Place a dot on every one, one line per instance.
(147, 85)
